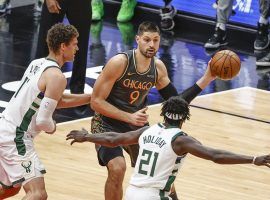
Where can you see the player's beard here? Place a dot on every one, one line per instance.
(149, 53)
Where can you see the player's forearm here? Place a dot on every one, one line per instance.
(108, 139)
(190, 93)
(108, 110)
(73, 100)
(204, 81)
(225, 157)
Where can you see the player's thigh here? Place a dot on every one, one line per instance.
(106, 154)
(35, 184)
(35, 189)
(133, 151)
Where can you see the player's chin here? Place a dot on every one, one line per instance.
(150, 54)
(71, 59)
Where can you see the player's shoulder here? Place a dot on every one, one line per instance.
(159, 64)
(181, 137)
(119, 59)
(117, 64)
(54, 73)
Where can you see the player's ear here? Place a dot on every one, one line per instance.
(137, 37)
(63, 46)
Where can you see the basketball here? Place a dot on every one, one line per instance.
(225, 64)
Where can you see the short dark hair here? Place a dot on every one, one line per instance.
(148, 27)
(175, 110)
(60, 33)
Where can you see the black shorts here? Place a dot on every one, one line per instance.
(105, 154)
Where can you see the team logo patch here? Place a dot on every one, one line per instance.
(26, 165)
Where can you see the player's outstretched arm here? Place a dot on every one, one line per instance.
(109, 139)
(190, 93)
(73, 100)
(187, 144)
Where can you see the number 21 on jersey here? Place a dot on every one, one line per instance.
(148, 161)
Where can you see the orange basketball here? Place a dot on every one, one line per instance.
(225, 64)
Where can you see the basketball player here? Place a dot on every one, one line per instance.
(163, 148)
(30, 111)
(120, 95)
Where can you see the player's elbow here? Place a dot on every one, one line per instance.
(95, 103)
(44, 119)
(46, 125)
(113, 141)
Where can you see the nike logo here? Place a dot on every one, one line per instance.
(130, 74)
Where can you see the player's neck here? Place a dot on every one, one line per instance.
(167, 125)
(141, 61)
(56, 58)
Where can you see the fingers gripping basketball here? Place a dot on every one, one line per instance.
(225, 64)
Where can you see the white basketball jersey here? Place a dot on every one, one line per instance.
(157, 163)
(23, 106)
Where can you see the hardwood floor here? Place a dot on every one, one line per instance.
(73, 171)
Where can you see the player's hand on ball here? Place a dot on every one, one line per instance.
(77, 136)
(208, 71)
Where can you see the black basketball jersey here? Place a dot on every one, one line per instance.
(130, 91)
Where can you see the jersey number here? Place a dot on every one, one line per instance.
(147, 160)
(134, 96)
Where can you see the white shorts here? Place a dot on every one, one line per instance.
(135, 193)
(17, 169)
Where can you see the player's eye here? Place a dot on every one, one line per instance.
(147, 40)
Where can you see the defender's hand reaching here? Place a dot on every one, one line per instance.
(77, 136)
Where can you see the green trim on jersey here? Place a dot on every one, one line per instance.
(18, 181)
(175, 171)
(162, 195)
(161, 125)
(166, 127)
(169, 183)
(176, 135)
(20, 130)
(5, 186)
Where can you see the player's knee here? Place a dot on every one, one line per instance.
(117, 170)
(39, 195)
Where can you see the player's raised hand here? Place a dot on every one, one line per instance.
(208, 72)
(77, 136)
(139, 118)
(262, 160)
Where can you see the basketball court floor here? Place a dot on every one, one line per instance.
(232, 115)
(238, 121)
